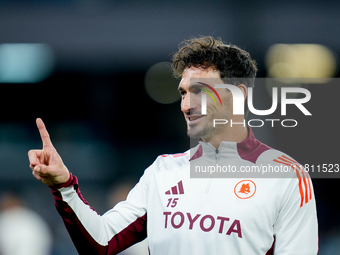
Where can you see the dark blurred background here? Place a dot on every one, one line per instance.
(89, 69)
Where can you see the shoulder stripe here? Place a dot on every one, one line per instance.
(287, 160)
(303, 171)
(306, 193)
(174, 155)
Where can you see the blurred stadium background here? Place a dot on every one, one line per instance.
(97, 72)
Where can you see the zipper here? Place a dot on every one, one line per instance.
(207, 188)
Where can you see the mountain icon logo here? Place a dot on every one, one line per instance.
(176, 190)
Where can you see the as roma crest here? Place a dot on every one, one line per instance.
(245, 189)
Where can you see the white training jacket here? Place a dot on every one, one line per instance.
(183, 216)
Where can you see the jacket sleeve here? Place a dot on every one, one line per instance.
(116, 230)
(296, 227)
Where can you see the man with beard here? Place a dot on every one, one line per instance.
(183, 215)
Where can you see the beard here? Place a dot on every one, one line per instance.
(206, 129)
(201, 131)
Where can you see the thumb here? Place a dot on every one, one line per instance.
(41, 169)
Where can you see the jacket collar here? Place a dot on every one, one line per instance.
(249, 149)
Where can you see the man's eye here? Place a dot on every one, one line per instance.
(196, 90)
(183, 93)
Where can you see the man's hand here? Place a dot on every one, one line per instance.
(46, 164)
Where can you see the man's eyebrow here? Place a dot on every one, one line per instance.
(195, 85)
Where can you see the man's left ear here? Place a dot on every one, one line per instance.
(244, 90)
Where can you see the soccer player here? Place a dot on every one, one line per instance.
(183, 215)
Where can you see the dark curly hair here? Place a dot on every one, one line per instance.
(234, 64)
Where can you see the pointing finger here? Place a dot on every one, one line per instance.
(45, 137)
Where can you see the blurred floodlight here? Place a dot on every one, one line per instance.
(312, 63)
(160, 85)
(25, 62)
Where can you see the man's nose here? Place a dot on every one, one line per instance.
(185, 105)
(189, 103)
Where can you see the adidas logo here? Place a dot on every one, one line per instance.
(175, 191)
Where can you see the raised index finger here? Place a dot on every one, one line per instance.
(45, 137)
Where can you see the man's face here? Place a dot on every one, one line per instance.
(201, 126)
